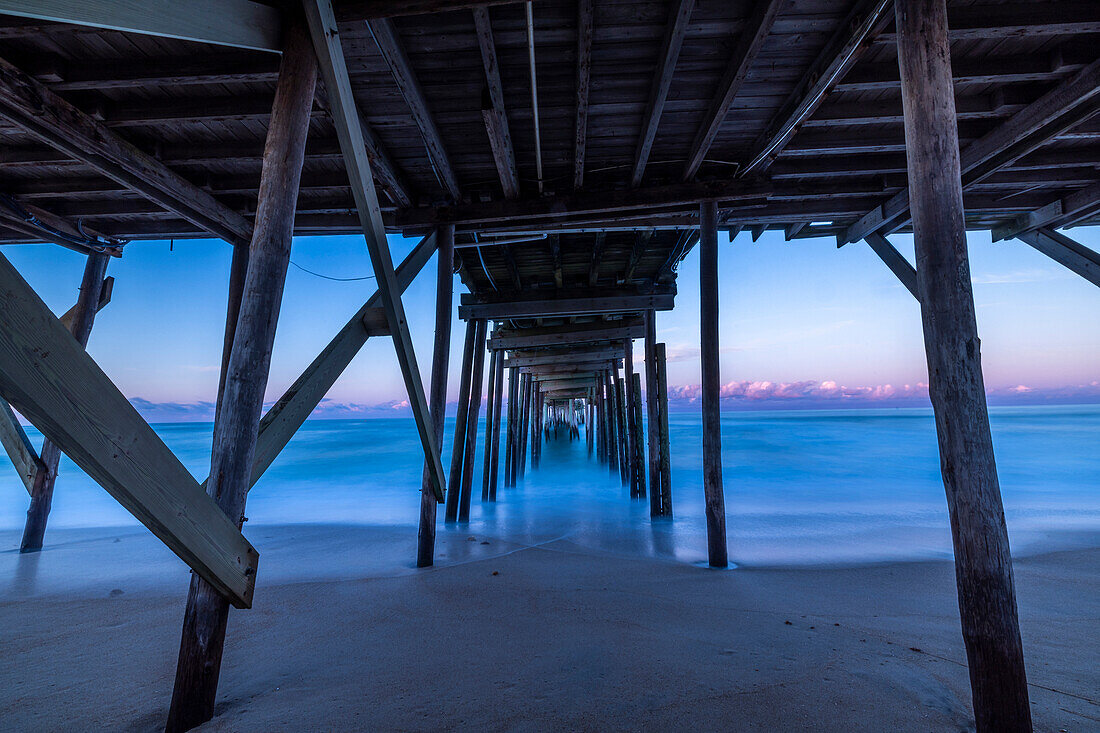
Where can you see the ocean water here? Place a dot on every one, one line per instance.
(802, 488)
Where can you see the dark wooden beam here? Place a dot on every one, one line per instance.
(326, 43)
(555, 254)
(513, 267)
(749, 43)
(711, 387)
(893, 259)
(34, 108)
(597, 256)
(641, 242)
(389, 44)
(572, 356)
(565, 335)
(585, 25)
(1058, 213)
(1056, 111)
(1065, 251)
(565, 307)
(22, 454)
(842, 51)
(350, 10)
(40, 224)
(675, 30)
(1015, 20)
(495, 114)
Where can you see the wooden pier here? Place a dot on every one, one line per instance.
(562, 157)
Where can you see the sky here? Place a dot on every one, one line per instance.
(802, 324)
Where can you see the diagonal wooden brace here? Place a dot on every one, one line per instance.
(18, 447)
(52, 381)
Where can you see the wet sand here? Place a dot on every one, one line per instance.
(553, 635)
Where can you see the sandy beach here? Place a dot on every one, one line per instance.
(550, 635)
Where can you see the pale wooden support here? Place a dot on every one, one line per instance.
(437, 398)
(983, 561)
(498, 378)
(893, 259)
(476, 379)
(638, 456)
(349, 131)
(652, 416)
(490, 413)
(18, 447)
(1067, 252)
(238, 268)
(458, 445)
(665, 461)
(207, 611)
(91, 286)
(711, 386)
(510, 436)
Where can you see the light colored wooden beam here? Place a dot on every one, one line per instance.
(393, 52)
(18, 447)
(235, 23)
(897, 263)
(496, 115)
(51, 380)
(757, 29)
(326, 42)
(104, 298)
(34, 108)
(1065, 251)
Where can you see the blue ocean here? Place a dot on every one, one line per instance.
(802, 488)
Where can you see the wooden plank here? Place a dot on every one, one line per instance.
(235, 23)
(749, 43)
(34, 108)
(389, 44)
(897, 263)
(47, 376)
(282, 421)
(1056, 111)
(326, 42)
(555, 254)
(675, 30)
(520, 340)
(18, 447)
(585, 27)
(496, 116)
(983, 561)
(566, 306)
(1065, 251)
(597, 256)
(1061, 212)
(841, 53)
(710, 388)
(534, 359)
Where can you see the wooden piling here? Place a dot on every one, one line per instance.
(492, 464)
(207, 611)
(638, 458)
(620, 428)
(510, 433)
(665, 462)
(437, 398)
(477, 378)
(525, 422)
(983, 561)
(490, 399)
(711, 386)
(87, 303)
(612, 434)
(458, 446)
(637, 484)
(653, 433)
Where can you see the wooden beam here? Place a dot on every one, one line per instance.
(1015, 20)
(574, 368)
(45, 225)
(51, 380)
(554, 386)
(534, 358)
(675, 30)
(34, 108)
(1059, 213)
(496, 114)
(983, 561)
(897, 263)
(1065, 251)
(641, 243)
(513, 268)
(749, 43)
(351, 10)
(566, 306)
(107, 288)
(831, 65)
(236, 23)
(393, 52)
(568, 334)
(1050, 115)
(585, 26)
(18, 447)
(711, 387)
(326, 42)
(597, 255)
(555, 255)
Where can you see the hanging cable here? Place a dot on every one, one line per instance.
(329, 277)
(91, 241)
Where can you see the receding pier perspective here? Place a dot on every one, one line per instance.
(562, 158)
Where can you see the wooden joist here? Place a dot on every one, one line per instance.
(893, 259)
(389, 44)
(19, 449)
(33, 107)
(1056, 111)
(326, 42)
(675, 30)
(237, 23)
(565, 335)
(51, 380)
(495, 114)
(1065, 251)
(583, 355)
(585, 25)
(834, 61)
(566, 306)
(597, 257)
(1059, 213)
(751, 40)
(366, 9)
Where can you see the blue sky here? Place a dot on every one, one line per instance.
(800, 321)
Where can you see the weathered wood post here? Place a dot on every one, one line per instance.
(665, 462)
(609, 408)
(589, 422)
(637, 487)
(510, 435)
(525, 422)
(476, 380)
(652, 418)
(983, 562)
(87, 303)
(444, 286)
(711, 385)
(620, 419)
(207, 612)
(639, 442)
(492, 429)
(601, 420)
(462, 415)
(499, 377)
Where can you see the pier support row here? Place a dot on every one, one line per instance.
(711, 386)
(983, 562)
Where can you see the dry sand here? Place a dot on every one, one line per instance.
(553, 636)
